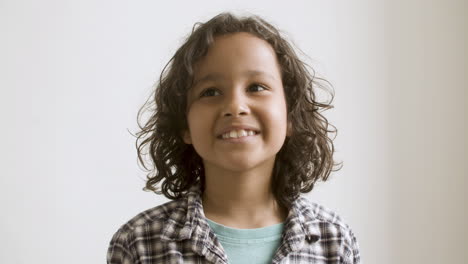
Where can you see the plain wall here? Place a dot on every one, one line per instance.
(428, 130)
(73, 75)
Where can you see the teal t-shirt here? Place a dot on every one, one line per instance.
(256, 246)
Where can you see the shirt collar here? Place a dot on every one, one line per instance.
(298, 225)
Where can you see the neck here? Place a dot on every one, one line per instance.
(241, 200)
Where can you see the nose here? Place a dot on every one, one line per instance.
(235, 104)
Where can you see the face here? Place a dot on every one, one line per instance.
(238, 83)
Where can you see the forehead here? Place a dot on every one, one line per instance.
(238, 54)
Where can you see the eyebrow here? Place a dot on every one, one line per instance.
(218, 76)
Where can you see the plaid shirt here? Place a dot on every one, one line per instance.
(177, 232)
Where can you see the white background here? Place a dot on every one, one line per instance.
(73, 75)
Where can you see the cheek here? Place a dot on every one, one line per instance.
(199, 123)
(277, 113)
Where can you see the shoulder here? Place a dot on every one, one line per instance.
(145, 226)
(322, 214)
(328, 225)
(152, 220)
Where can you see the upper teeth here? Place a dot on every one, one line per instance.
(238, 133)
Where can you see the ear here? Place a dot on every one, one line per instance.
(289, 129)
(186, 137)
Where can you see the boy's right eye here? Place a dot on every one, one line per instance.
(208, 92)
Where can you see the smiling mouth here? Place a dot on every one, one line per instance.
(237, 136)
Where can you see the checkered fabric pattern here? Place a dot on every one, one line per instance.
(177, 232)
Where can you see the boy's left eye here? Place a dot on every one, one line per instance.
(257, 85)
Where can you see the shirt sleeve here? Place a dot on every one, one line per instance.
(119, 251)
(352, 255)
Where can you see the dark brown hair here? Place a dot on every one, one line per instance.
(305, 157)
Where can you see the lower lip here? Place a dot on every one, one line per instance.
(239, 140)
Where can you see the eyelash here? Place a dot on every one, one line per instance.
(212, 89)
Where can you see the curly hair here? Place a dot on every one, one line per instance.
(306, 155)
